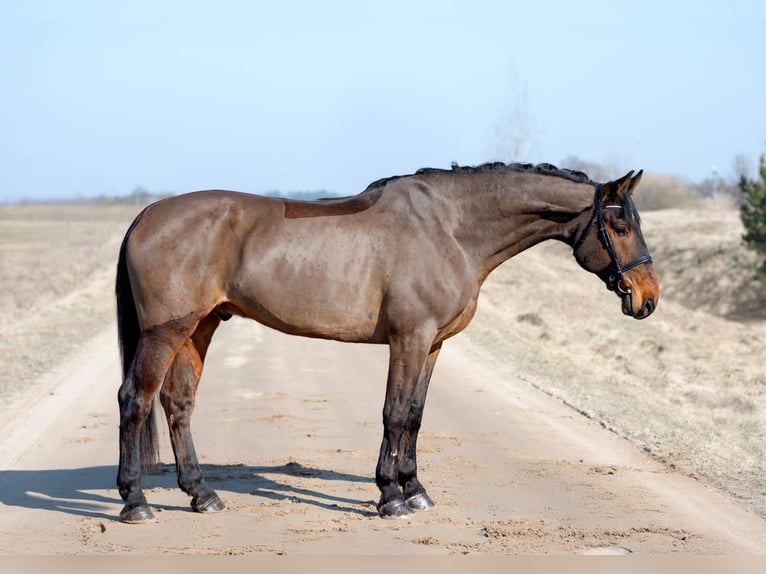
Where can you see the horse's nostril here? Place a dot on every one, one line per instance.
(649, 306)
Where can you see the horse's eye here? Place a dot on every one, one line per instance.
(621, 231)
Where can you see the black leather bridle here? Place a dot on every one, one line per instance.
(614, 281)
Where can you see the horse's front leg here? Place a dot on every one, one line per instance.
(414, 492)
(405, 398)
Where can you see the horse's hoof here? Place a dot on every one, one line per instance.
(420, 501)
(137, 514)
(210, 504)
(395, 509)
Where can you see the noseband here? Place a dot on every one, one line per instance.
(615, 279)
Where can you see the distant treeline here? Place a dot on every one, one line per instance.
(656, 190)
(142, 196)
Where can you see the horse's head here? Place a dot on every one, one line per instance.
(611, 245)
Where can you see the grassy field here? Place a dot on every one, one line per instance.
(57, 274)
(687, 385)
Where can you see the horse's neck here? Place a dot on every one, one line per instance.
(507, 214)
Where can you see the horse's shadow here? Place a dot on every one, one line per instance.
(80, 491)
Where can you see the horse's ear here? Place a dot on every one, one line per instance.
(634, 181)
(612, 189)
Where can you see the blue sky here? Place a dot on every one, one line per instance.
(99, 97)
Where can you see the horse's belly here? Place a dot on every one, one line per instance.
(313, 303)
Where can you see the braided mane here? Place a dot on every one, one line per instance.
(496, 167)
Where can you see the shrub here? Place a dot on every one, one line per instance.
(753, 210)
(659, 191)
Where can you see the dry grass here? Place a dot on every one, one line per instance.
(687, 384)
(57, 275)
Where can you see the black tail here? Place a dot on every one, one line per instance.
(128, 332)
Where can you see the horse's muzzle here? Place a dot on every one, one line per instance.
(646, 310)
(627, 304)
(643, 286)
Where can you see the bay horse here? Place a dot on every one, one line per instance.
(399, 264)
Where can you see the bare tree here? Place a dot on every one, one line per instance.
(514, 129)
(596, 171)
(741, 166)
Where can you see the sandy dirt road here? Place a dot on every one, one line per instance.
(288, 431)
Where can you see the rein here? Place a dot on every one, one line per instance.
(615, 278)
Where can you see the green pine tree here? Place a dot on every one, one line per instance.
(753, 210)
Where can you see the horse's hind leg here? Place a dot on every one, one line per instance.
(157, 347)
(177, 397)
